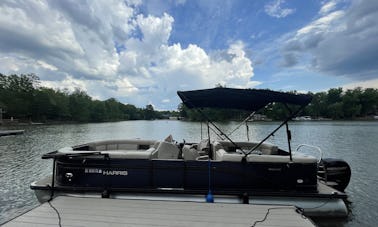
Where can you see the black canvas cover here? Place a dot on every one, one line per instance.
(244, 99)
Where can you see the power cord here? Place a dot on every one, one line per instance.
(276, 208)
(56, 211)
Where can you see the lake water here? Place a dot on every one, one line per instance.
(355, 142)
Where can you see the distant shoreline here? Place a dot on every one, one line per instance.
(17, 122)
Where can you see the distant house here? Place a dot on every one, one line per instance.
(303, 118)
(260, 117)
(176, 118)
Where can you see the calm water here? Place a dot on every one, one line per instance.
(355, 142)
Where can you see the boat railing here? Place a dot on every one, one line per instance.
(311, 146)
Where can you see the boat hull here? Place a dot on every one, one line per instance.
(124, 174)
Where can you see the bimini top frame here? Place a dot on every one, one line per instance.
(244, 99)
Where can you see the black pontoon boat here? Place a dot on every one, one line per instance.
(233, 171)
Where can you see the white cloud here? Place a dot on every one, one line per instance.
(68, 83)
(328, 7)
(363, 84)
(339, 42)
(321, 25)
(275, 9)
(109, 50)
(46, 65)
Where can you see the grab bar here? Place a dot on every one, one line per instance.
(311, 146)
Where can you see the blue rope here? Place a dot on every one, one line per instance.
(209, 196)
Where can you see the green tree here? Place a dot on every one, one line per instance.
(98, 111)
(335, 110)
(17, 94)
(149, 113)
(79, 105)
(334, 95)
(318, 106)
(113, 110)
(351, 103)
(369, 102)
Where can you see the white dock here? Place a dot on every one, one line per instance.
(76, 211)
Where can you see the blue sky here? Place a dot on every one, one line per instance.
(142, 52)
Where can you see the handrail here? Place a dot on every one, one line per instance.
(311, 146)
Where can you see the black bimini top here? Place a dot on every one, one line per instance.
(244, 99)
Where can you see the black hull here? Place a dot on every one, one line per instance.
(225, 177)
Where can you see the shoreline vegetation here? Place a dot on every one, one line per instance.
(23, 100)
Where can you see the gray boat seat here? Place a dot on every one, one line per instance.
(189, 153)
(130, 144)
(297, 158)
(224, 151)
(222, 155)
(130, 154)
(265, 148)
(166, 150)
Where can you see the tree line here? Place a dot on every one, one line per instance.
(335, 104)
(22, 97)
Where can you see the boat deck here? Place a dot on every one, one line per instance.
(77, 211)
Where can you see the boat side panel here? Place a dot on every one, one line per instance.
(224, 176)
(105, 173)
(196, 175)
(168, 173)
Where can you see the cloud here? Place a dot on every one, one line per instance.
(289, 59)
(363, 84)
(327, 7)
(339, 42)
(109, 49)
(274, 9)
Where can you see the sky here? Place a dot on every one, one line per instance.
(143, 52)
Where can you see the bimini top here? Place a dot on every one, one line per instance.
(244, 99)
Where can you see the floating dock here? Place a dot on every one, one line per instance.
(79, 211)
(11, 132)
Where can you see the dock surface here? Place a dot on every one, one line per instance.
(78, 211)
(11, 132)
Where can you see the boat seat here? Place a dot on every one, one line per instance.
(303, 158)
(130, 154)
(189, 153)
(222, 155)
(166, 150)
(192, 153)
(265, 148)
(297, 158)
(203, 146)
(132, 144)
(268, 158)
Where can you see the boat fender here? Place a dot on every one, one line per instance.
(209, 197)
